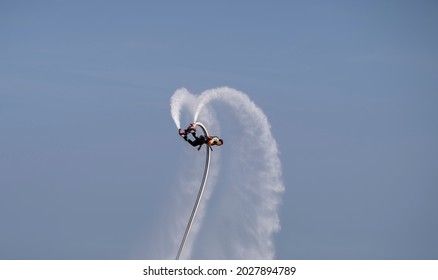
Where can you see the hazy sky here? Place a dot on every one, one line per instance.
(88, 148)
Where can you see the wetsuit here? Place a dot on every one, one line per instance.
(198, 141)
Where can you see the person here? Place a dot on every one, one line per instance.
(201, 140)
(209, 140)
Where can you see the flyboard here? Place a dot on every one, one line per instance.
(200, 192)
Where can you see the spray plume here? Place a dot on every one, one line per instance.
(245, 207)
(181, 98)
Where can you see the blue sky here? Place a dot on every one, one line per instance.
(350, 89)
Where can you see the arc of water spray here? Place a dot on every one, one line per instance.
(257, 183)
(200, 192)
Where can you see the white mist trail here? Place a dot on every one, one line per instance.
(253, 179)
(180, 99)
(242, 217)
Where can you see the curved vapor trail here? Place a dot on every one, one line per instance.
(249, 205)
(200, 192)
(250, 193)
(180, 99)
